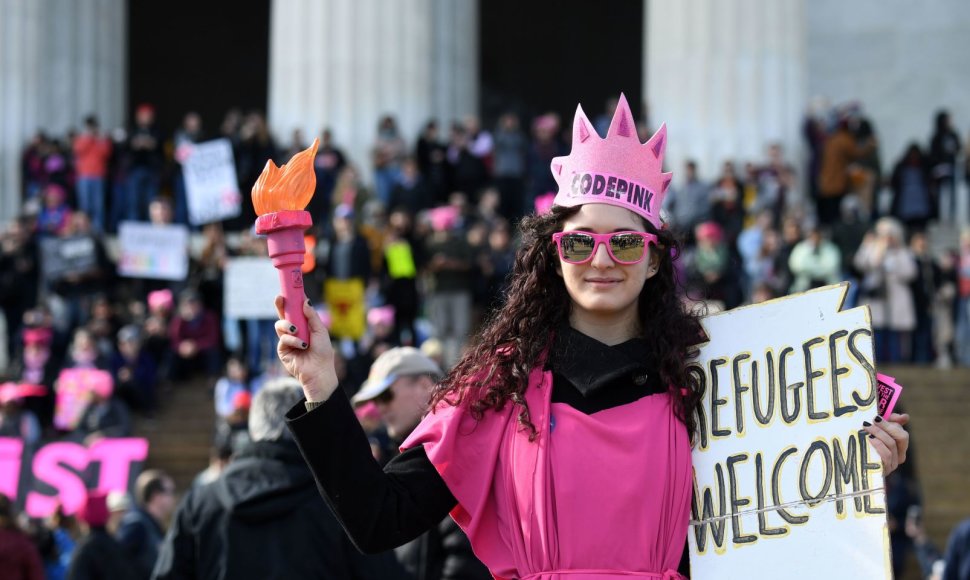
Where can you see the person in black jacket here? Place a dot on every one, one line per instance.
(19, 269)
(263, 518)
(98, 556)
(944, 148)
(913, 202)
(141, 530)
(400, 384)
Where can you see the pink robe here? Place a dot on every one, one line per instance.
(593, 497)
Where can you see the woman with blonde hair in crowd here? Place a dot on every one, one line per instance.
(887, 267)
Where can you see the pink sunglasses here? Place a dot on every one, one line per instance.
(624, 247)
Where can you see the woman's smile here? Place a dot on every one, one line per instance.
(603, 282)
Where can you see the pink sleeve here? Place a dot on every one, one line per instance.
(465, 451)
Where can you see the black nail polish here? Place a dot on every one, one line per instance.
(304, 345)
(871, 436)
(878, 419)
(866, 424)
(292, 328)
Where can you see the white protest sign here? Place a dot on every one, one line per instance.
(786, 483)
(211, 188)
(251, 287)
(153, 251)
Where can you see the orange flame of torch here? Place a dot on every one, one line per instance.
(289, 187)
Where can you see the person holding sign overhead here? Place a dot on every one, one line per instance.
(561, 441)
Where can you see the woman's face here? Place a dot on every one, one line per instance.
(602, 286)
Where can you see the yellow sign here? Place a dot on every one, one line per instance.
(400, 262)
(345, 298)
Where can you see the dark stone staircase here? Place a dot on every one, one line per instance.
(180, 435)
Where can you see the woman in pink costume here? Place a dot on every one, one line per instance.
(561, 441)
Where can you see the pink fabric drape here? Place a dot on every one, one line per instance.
(594, 496)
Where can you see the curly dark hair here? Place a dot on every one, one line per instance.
(513, 338)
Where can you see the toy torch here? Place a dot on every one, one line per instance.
(279, 198)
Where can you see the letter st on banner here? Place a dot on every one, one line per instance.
(785, 481)
(60, 473)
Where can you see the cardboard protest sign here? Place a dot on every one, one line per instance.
(72, 392)
(400, 260)
(153, 251)
(346, 300)
(211, 188)
(249, 290)
(784, 476)
(61, 257)
(60, 473)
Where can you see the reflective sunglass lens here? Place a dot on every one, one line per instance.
(577, 247)
(627, 247)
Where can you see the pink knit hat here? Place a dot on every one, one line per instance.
(544, 203)
(94, 512)
(443, 217)
(381, 315)
(160, 299)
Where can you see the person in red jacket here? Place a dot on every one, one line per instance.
(19, 558)
(194, 337)
(92, 150)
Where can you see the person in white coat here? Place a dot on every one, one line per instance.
(888, 267)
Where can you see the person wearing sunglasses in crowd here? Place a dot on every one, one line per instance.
(399, 384)
(561, 441)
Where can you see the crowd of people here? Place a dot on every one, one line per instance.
(109, 536)
(422, 257)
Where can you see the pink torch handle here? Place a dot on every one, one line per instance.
(286, 249)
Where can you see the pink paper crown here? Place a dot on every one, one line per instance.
(617, 170)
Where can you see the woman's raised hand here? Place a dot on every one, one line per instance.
(311, 364)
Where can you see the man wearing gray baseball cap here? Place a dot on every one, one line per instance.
(400, 384)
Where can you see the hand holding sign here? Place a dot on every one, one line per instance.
(887, 436)
(890, 440)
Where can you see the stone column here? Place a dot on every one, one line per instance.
(343, 65)
(902, 62)
(60, 60)
(728, 77)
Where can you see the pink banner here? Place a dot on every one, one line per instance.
(61, 472)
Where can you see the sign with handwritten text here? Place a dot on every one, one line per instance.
(785, 481)
(211, 188)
